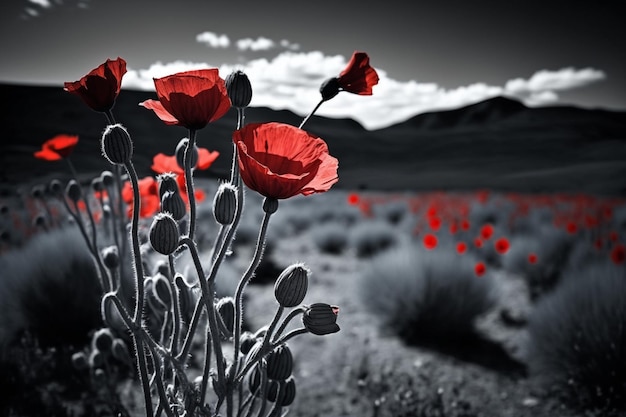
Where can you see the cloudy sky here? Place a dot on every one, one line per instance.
(430, 55)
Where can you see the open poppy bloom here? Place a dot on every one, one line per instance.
(358, 78)
(162, 163)
(101, 86)
(279, 161)
(57, 148)
(191, 99)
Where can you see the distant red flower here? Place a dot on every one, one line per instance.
(162, 163)
(358, 77)
(191, 99)
(101, 86)
(430, 241)
(478, 242)
(571, 228)
(149, 197)
(532, 258)
(486, 231)
(613, 236)
(461, 247)
(465, 225)
(353, 199)
(434, 223)
(480, 269)
(59, 147)
(502, 245)
(618, 254)
(454, 227)
(280, 161)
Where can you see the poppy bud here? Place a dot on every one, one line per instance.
(79, 361)
(164, 234)
(107, 178)
(287, 392)
(239, 89)
(73, 191)
(291, 285)
(97, 184)
(56, 188)
(167, 183)
(161, 290)
(254, 381)
(330, 88)
(119, 350)
(225, 203)
(111, 257)
(37, 191)
(246, 341)
(270, 205)
(279, 363)
(321, 319)
(103, 340)
(226, 309)
(173, 203)
(185, 299)
(117, 147)
(96, 359)
(180, 153)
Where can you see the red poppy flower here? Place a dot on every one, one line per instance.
(478, 242)
(486, 231)
(480, 269)
(358, 77)
(191, 99)
(280, 161)
(434, 223)
(461, 248)
(618, 254)
(571, 228)
(532, 258)
(502, 245)
(100, 87)
(57, 148)
(465, 225)
(148, 194)
(430, 241)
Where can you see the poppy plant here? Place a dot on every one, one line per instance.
(191, 99)
(101, 86)
(279, 161)
(59, 147)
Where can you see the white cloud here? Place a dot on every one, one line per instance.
(291, 80)
(259, 44)
(213, 40)
(43, 3)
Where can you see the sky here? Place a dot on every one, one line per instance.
(429, 55)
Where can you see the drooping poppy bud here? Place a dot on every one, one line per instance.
(287, 392)
(119, 350)
(291, 286)
(73, 191)
(226, 309)
(161, 290)
(164, 234)
(239, 89)
(279, 363)
(111, 257)
(321, 319)
(117, 146)
(225, 203)
(180, 153)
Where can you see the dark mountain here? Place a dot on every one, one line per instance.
(498, 143)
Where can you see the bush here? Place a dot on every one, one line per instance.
(369, 237)
(577, 338)
(421, 294)
(330, 237)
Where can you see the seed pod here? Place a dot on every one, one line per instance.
(279, 363)
(321, 319)
(164, 234)
(239, 89)
(180, 154)
(292, 284)
(117, 147)
(225, 203)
